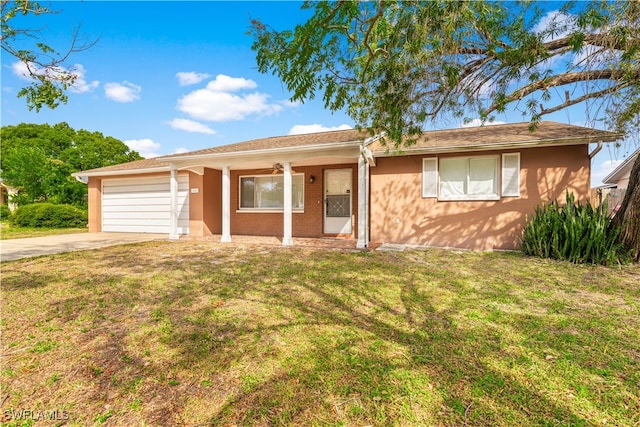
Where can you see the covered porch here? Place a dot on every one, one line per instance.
(279, 193)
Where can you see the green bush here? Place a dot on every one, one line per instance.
(573, 232)
(48, 215)
(5, 213)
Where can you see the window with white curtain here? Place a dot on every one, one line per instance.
(471, 177)
(266, 192)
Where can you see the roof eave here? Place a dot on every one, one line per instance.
(122, 172)
(232, 154)
(487, 147)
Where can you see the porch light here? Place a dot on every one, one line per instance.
(311, 179)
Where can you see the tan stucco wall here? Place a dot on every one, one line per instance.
(205, 206)
(94, 199)
(399, 214)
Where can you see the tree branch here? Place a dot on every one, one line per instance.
(562, 80)
(591, 95)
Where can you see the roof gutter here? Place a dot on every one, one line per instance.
(595, 150)
(481, 147)
(373, 139)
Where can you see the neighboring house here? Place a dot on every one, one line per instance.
(615, 184)
(6, 192)
(467, 188)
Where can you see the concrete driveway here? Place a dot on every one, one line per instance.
(13, 249)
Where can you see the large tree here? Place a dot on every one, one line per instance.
(38, 160)
(393, 66)
(43, 64)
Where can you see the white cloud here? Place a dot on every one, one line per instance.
(146, 147)
(554, 25)
(478, 122)
(191, 78)
(603, 169)
(190, 126)
(288, 103)
(80, 85)
(595, 56)
(20, 69)
(216, 103)
(557, 24)
(180, 150)
(25, 71)
(122, 92)
(224, 83)
(314, 128)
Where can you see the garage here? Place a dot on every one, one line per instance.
(143, 205)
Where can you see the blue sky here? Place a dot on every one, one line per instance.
(167, 77)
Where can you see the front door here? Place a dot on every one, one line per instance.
(337, 201)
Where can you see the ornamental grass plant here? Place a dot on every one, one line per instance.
(575, 232)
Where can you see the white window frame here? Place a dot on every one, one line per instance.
(431, 184)
(468, 159)
(272, 209)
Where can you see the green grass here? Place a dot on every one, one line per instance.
(195, 333)
(8, 231)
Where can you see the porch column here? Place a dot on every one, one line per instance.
(173, 215)
(363, 202)
(287, 239)
(226, 205)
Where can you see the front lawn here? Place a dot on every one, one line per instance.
(8, 231)
(199, 333)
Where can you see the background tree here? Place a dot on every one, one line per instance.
(26, 170)
(45, 65)
(394, 66)
(38, 160)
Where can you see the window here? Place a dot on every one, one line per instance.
(470, 178)
(267, 192)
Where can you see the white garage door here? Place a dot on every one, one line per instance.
(143, 205)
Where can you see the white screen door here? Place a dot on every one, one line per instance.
(337, 201)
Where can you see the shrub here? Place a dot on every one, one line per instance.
(573, 232)
(5, 213)
(48, 215)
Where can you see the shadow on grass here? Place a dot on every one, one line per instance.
(305, 337)
(342, 359)
(25, 280)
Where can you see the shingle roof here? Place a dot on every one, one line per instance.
(496, 135)
(484, 136)
(154, 163)
(277, 142)
(289, 141)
